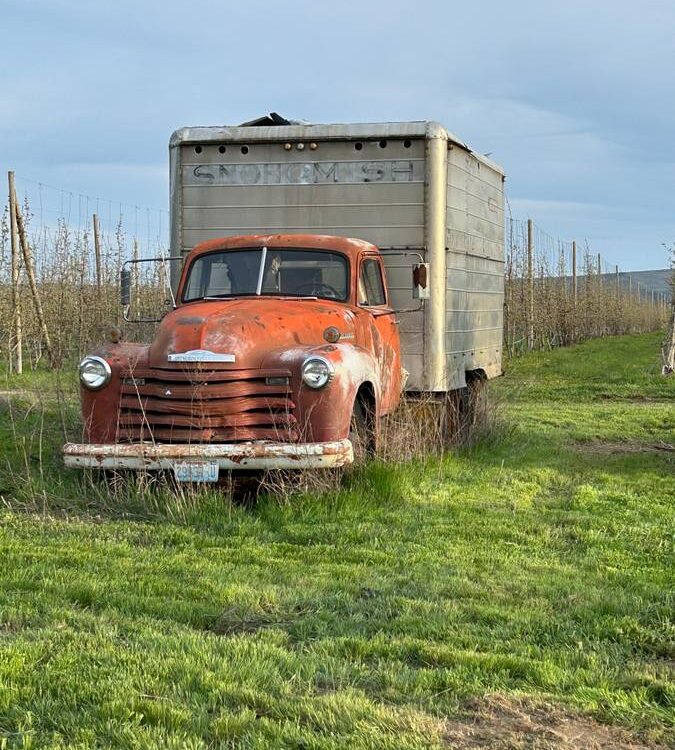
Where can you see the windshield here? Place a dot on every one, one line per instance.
(270, 271)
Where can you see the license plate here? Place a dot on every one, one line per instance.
(197, 471)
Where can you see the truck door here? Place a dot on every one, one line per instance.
(372, 294)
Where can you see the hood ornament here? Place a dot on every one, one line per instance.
(200, 355)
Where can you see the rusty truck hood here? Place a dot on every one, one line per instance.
(249, 328)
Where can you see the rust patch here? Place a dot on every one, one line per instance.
(189, 320)
(155, 455)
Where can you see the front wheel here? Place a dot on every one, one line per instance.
(362, 432)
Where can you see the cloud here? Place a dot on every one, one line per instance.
(573, 99)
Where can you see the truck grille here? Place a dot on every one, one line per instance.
(206, 406)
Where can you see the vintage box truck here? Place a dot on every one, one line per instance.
(319, 271)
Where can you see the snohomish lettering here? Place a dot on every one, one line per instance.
(305, 173)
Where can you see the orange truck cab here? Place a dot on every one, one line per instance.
(282, 352)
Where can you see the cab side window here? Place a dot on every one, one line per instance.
(371, 286)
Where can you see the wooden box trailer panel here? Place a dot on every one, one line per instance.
(410, 188)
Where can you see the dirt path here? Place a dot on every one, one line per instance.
(502, 723)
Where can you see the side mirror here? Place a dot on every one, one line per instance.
(125, 287)
(420, 281)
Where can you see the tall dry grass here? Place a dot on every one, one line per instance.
(80, 309)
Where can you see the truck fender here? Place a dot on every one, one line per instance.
(325, 414)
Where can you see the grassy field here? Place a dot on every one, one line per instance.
(532, 573)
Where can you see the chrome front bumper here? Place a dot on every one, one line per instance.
(231, 456)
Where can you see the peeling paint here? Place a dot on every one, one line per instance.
(249, 455)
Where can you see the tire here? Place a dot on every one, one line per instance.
(471, 409)
(361, 432)
(453, 418)
(464, 412)
(244, 486)
(475, 403)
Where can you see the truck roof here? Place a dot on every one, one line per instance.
(348, 245)
(254, 133)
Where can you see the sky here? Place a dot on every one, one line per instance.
(574, 99)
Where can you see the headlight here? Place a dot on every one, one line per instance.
(94, 373)
(316, 372)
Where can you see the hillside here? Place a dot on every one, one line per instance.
(658, 280)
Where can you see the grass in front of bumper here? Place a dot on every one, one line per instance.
(362, 617)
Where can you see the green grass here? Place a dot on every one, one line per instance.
(538, 564)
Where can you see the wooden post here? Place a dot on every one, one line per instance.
(508, 307)
(16, 342)
(630, 285)
(600, 289)
(668, 350)
(97, 250)
(574, 271)
(135, 274)
(617, 281)
(530, 285)
(30, 272)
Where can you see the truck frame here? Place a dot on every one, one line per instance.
(374, 259)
